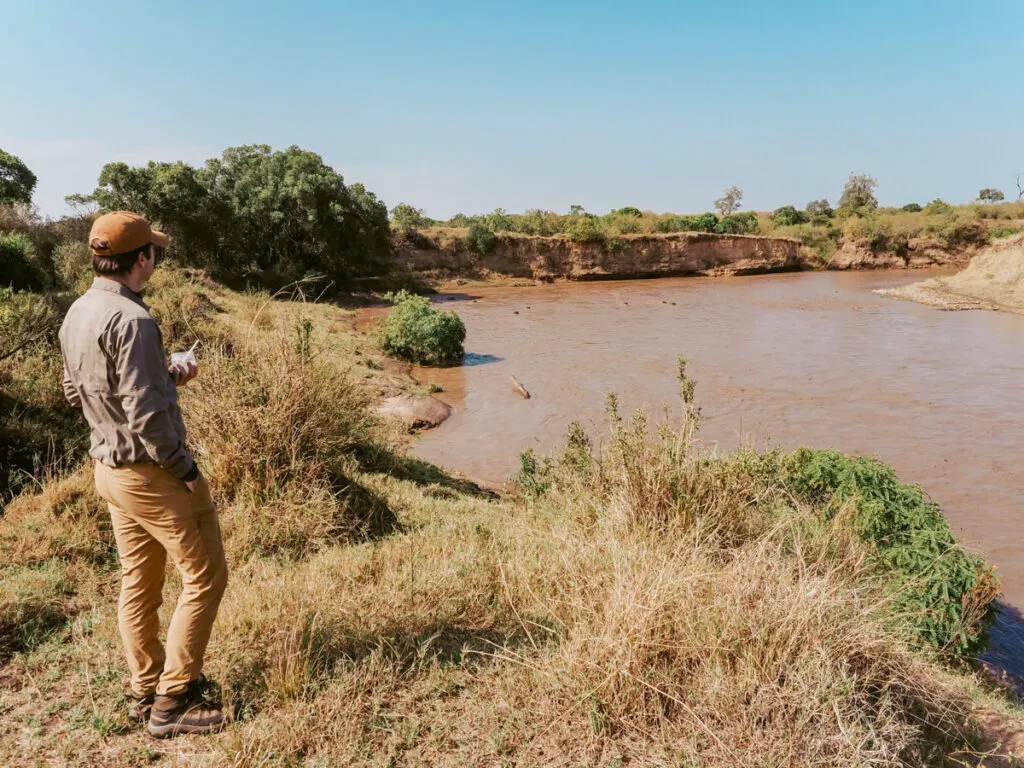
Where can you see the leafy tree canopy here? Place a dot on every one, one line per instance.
(17, 182)
(730, 201)
(989, 195)
(275, 216)
(405, 218)
(859, 194)
(788, 215)
(820, 208)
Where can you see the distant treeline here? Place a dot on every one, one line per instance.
(817, 224)
(265, 218)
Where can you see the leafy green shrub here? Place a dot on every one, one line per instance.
(24, 317)
(418, 332)
(18, 265)
(499, 221)
(480, 239)
(37, 426)
(405, 219)
(820, 209)
(738, 224)
(582, 228)
(911, 208)
(999, 232)
(941, 593)
(72, 263)
(706, 222)
(669, 224)
(787, 215)
(623, 225)
(858, 198)
(937, 206)
(957, 229)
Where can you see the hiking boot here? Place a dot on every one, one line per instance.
(186, 712)
(139, 710)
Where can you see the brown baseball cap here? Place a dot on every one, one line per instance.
(122, 232)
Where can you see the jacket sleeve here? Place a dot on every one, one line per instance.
(145, 390)
(69, 390)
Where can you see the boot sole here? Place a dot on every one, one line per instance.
(177, 729)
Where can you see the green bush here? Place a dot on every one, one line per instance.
(18, 266)
(820, 209)
(418, 332)
(787, 215)
(937, 206)
(582, 227)
(943, 594)
(480, 239)
(706, 222)
(37, 426)
(72, 263)
(405, 219)
(1000, 232)
(738, 224)
(911, 208)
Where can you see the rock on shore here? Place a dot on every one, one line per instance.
(416, 411)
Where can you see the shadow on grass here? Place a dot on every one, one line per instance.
(425, 474)
(373, 517)
(444, 644)
(28, 624)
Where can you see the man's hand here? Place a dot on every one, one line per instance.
(183, 373)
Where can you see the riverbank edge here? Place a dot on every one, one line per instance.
(993, 280)
(438, 256)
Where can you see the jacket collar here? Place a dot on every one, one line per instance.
(112, 286)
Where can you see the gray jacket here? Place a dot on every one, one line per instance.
(115, 370)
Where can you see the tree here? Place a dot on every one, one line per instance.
(276, 216)
(479, 238)
(787, 215)
(938, 206)
(912, 208)
(859, 194)
(499, 221)
(730, 201)
(820, 209)
(17, 182)
(989, 195)
(405, 218)
(738, 224)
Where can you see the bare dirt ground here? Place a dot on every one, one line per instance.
(993, 280)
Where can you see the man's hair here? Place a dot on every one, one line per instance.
(118, 264)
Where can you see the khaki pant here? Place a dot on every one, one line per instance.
(155, 515)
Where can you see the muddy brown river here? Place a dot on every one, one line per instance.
(799, 359)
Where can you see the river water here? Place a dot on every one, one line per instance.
(798, 359)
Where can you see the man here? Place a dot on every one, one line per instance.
(115, 370)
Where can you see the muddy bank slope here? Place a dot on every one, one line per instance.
(994, 279)
(558, 257)
(446, 253)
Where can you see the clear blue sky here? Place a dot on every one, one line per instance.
(468, 106)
